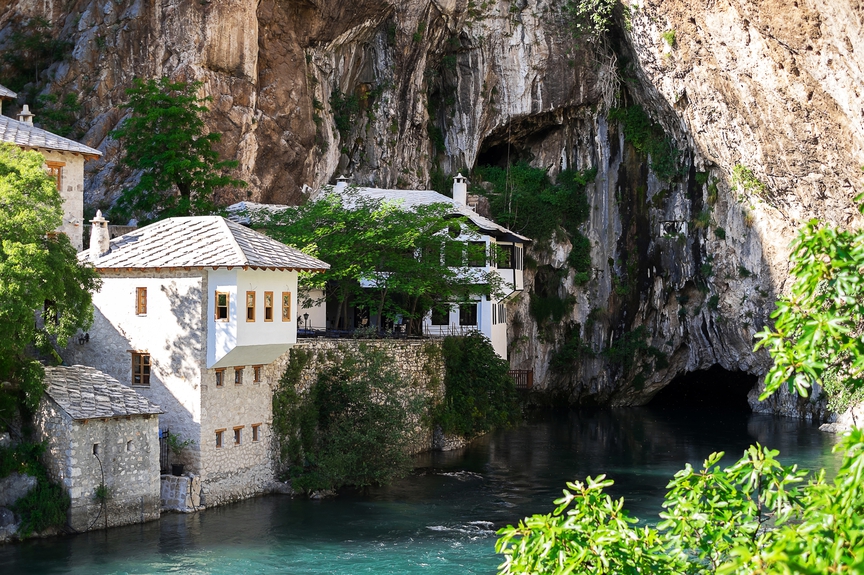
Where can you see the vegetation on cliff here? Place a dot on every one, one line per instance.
(165, 139)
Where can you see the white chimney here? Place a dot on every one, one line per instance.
(460, 189)
(25, 115)
(100, 239)
(341, 183)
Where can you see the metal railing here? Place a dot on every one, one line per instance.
(164, 463)
(524, 378)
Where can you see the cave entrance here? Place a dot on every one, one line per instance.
(714, 388)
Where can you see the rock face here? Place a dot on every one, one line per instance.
(398, 93)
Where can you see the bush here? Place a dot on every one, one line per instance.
(649, 138)
(480, 394)
(755, 516)
(354, 425)
(579, 259)
(46, 504)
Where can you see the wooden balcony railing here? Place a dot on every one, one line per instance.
(524, 378)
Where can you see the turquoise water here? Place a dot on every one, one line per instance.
(443, 518)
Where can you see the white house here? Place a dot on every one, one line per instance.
(192, 312)
(487, 315)
(64, 161)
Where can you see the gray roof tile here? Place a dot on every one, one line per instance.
(29, 136)
(7, 93)
(87, 393)
(201, 241)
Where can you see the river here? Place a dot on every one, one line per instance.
(442, 519)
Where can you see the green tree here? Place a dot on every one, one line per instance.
(164, 138)
(353, 427)
(817, 337)
(38, 271)
(392, 250)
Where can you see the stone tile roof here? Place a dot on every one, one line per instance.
(29, 136)
(244, 212)
(87, 393)
(413, 198)
(7, 93)
(202, 241)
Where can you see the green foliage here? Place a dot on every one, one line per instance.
(712, 192)
(649, 138)
(370, 240)
(744, 272)
(746, 178)
(289, 413)
(816, 338)
(39, 270)
(164, 138)
(58, 115)
(625, 350)
(571, 352)
(720, 233)
(546, 304)
(579, 258)
(706, 270)
(713, 302)
(755, 516)
(102, 493)
(702, 220)
(524, 200)
(437, 138)
(346, 109)
(46, 504)
(31, 49)
(177, 445)
(701, 178)
(354, 425)
(479, 395)
(669, 37)
(593, 17)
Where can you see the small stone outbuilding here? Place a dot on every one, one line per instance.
(100, 432)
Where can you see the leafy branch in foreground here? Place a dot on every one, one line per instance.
(755, 516)
(817, 336)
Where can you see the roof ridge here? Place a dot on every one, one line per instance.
(30, 128)
(233, 240)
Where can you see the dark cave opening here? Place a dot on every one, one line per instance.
(714, 388)
(500, 155)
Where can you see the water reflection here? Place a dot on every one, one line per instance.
(441, 519)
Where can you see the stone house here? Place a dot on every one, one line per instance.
(484, 314)
(100, 432)
(191, 313)
(64, 161)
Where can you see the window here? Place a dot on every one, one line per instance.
(220, 377)
(468, 314)
(286, 306)
(268, 306)
(238, 375)
(95, 449)
(477, 254)
(219, 433)
(505, 257)
(140, 368)
(141, 301)
(250, 306)
(256, 431)
(238, 434)
(519, 262)
(441, 314)
(221, 306)
(256, 374)
(55, 171)
(498, 315)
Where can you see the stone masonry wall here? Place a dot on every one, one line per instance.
(419, 361)
(128, 449)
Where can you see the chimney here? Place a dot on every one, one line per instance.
(100, 239)
(460, 189)
(25, 115)
(341, 183)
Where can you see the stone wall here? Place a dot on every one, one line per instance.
(72, 192)
(127, 457)
(181, 493)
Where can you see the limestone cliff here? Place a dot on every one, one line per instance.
(397, 93)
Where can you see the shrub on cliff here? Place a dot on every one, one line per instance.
(354, 425)
(480, 394)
